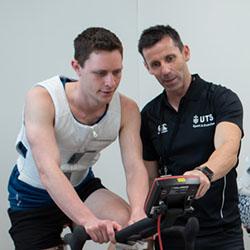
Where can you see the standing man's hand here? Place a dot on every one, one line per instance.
(204, 182)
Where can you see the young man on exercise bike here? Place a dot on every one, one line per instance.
(66, 124)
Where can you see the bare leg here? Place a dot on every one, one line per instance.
(107, 205)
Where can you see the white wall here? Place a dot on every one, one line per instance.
(36, 43)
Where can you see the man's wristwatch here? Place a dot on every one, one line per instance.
(206, 171)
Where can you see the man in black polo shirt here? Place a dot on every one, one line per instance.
(193, 127)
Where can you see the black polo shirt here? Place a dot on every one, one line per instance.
(184, 140)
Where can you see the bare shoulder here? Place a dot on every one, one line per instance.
(37, 92)
(128, 104)
(130, 113)
(38, 95)
(38, 102)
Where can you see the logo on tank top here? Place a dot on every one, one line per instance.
(201, 121)
(162, 128)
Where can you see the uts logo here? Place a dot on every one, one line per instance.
(203, 121)
(162, 128)
(196, 119)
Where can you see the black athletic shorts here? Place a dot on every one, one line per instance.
(41, 228)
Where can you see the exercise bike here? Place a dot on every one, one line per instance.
(169, 198)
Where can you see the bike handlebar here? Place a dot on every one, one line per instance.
(133, 232)
(138, 231)
(177, 204)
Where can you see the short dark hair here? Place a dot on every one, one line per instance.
(154, 34)
(95, 39)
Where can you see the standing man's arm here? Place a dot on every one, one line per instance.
(131, 151)
(39, 122)
(224, 158)
(227, 143)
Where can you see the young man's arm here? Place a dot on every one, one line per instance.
(131, 150)
(39, 122)
(152, 168)
(223, 159)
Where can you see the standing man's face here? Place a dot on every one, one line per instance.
(168, 64)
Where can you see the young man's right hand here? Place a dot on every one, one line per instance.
(102, 231)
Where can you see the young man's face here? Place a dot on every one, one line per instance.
(101, 75)
(168, 64)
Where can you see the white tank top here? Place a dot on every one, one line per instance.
(79, 144)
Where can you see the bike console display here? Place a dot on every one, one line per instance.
(175, 192)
